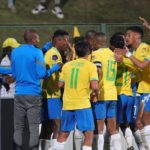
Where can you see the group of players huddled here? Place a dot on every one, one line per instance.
(97, 85)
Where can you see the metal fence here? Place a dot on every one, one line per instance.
(46, 30)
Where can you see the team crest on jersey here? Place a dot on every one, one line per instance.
(54, 57)
(144, 52)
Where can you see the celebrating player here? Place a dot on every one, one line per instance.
(77, 77)
(53, 56)
(105, 108)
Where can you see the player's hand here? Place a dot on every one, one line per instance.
(60, 64)
(118, 58)
(94, 97)
(145, 23)
(56, 67)
(68, 44)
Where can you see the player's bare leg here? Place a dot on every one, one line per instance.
(88, 140)
(61, 140)
(56, 129)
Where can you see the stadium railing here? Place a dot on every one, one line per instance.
(46, 30)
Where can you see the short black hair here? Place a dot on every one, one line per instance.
(29, 35)
(82, 48)
(137, 29)
(78, 39)
(60, 33)
(117, 41)
(90, 34)
(98, 34)
(118, 34)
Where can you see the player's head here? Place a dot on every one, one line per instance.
(78, 39)
(120, 34)
(31, 37)
(99, 40)
(82, 48)
(117, 41)
(59, 39)
(134, 34)
(89, 36)
(8, 45)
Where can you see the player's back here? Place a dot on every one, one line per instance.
(77, 75)
(123, 82)
(105, 57)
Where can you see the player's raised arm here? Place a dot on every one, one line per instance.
(145, 23)
(138, 63)
(70, 48)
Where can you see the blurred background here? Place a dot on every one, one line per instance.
(100, 15)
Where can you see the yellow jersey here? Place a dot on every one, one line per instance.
(77, 75)
(142, 53)
(123, 82)
(50, 84)
(148, 56)
(104, 58)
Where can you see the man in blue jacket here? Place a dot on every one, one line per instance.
(28, 67)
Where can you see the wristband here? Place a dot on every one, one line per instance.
(128, 54)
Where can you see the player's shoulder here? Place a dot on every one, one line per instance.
(77, 62)
(70, 63)
(102, 51)
(66, 66)
(53, 54)
(98, 51)
(52, 51)
(142, 47)
(142, 50)
(89, 64)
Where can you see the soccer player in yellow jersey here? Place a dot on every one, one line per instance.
(125, 103)
(50, 84)
(134, 39)
(98, 42)
(105, 108)
(89, 37)
(140, 59)
(77, 77)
